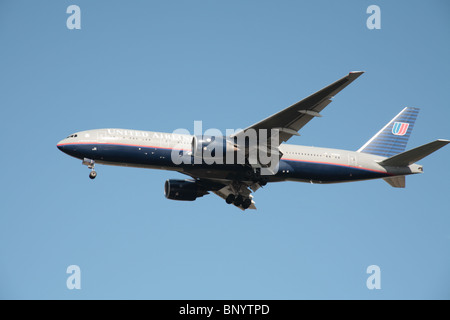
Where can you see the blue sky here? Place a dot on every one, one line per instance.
(160, 65)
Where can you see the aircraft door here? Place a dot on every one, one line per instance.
(352, 160)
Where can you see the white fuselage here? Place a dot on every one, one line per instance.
(149, 149)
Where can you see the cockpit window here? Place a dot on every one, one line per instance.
(72, 136)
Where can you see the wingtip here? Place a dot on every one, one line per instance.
(354, 74)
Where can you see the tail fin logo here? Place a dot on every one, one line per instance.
(400, 128)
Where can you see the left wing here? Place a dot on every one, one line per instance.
(290, 120)
(223, 188)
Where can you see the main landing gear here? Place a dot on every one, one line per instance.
(238, 201)
(91, 165)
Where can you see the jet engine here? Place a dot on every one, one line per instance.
(184, 190)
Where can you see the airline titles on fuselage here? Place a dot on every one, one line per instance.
(148, 135)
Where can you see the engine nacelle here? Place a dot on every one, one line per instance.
(184, 190)
(211, 147)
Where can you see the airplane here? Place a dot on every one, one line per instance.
(382, 157)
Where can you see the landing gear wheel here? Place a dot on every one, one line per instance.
(247, 203)
(263, 181)
(93, 174)
(230, 199)
(238, 201)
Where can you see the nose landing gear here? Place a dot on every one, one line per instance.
(91, 165)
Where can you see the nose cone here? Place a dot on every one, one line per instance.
(60, 145)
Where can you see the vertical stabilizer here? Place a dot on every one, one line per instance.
(392, 139)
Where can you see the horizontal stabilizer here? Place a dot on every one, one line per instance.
(409, 157)
(396, 182)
